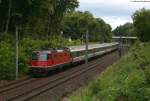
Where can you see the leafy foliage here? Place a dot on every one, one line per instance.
(42, 16)
(76, 23)
(142, 24)
(125, 30)
(26, 46)
(127, 80)
(7, 61)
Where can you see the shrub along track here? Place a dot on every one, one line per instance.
(54, 87)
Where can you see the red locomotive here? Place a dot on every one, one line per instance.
(43, 61)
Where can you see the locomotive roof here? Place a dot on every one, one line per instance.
(52, 50)
(91, 46)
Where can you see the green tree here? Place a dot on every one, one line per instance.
(141, 21)
(38, 15)
(125, 30)
(75, 24)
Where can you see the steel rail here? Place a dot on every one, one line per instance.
(51, 84)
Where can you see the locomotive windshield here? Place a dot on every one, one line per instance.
(43, 56)
(40, 56)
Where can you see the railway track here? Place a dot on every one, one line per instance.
(5, 93)
(29, 88)
(52, 84)
(16, 84)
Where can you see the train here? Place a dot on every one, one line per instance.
(41, 62)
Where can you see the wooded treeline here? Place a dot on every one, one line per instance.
(125, 30)
(140, 26)
(45, 18)
(75, 24)
(41, 16)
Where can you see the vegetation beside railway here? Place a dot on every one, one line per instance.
(126, 80)
(26, 46)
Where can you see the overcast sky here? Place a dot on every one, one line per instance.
(114, 12)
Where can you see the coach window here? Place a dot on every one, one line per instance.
(89, 51)
(81, 53)
(74, 54)
(97, 50)
(77, 54)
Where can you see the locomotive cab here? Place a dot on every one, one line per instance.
(41, 59)
(50, 59)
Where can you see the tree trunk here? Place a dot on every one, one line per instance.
(9, 16)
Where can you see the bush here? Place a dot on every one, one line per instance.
(142, 24)
(7, 61)
(127, 80)
(26, 46)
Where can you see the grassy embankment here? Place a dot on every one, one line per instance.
(126, 80)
